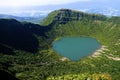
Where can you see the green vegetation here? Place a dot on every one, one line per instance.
(85, 76)
(50, 18)
(26, 49)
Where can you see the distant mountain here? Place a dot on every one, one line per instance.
(35, 20)
(108, 11)
(30, 13)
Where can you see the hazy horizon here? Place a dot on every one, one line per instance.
(18, 7)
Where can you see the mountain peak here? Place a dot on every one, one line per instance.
(63, 16)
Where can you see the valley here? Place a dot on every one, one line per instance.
(26, 49)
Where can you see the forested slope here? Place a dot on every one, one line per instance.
(26, 48)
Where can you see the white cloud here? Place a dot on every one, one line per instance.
(35, 2)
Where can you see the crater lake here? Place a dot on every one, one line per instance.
(75, 48)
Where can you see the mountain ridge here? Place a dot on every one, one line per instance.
(26, 48)
(63, 15)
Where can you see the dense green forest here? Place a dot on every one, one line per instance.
(26, 49)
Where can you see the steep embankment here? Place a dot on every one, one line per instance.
(20, 36)
(63, 16)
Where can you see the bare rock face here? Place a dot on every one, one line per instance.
(66, 15)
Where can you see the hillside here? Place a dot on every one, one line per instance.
(64, 15)
(17, 35)
(26, 48)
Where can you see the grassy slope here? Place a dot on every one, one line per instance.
(47, 64)
(105, 30)
(49, 18)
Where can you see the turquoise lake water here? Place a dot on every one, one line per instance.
(76, 48)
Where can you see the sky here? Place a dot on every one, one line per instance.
(17, 6)
(20, 3)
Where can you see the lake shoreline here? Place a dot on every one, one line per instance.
(98, 52)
